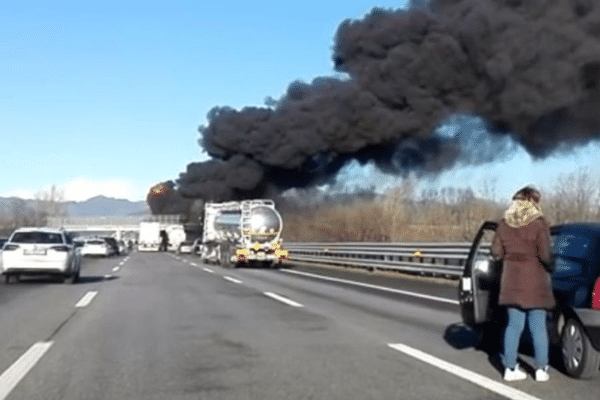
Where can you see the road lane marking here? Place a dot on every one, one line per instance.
(283, 299)
(367, 285)
(121, 263)
(17, 371)
(115, 269)
(464, 373)
(208, 270)
(194, 264)
(230, 279)
(87, 299)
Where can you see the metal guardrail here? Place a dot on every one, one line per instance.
(436, 259)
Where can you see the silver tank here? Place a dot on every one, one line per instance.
(265, 224)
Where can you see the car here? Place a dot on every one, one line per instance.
(37, 251)
(574, 324)
(123, 248)
(185, 247)
(95, 247)
(197, 246)
(113, 245)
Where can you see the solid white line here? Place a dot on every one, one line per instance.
(87, 299)
(466, 374)
(367, 285)
(115, 269)
(282, 299)
(16, 372)
(209, 270)
(230, 279)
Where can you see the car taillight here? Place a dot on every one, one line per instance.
(10, 247)
(596, 295)
(60, 248)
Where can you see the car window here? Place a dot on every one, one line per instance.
(571, 245)
(37, 237)
(569, 248)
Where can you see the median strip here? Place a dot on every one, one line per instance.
(464, 373)
(367, 285)
(17, 371)
(282, 299)
(87, 299)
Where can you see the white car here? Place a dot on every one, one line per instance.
(37, 251)
(95, 247)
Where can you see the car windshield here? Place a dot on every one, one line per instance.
(37, 237)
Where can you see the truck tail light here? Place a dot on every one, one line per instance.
(596, 295)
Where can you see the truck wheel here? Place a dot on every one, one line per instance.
(580, 358)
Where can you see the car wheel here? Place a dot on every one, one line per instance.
(581, 360)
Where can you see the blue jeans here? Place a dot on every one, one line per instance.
(536, 318)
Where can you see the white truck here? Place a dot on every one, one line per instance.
(149, 239)
(242, 233)
(176, 235)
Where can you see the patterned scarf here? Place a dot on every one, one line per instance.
(521, 213)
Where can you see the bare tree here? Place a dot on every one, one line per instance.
(49, 204)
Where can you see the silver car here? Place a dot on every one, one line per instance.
(41, 251)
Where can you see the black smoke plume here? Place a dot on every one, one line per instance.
(529, 68)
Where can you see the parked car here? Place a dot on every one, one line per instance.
(95, 247)
(37, 251)
(574, 324)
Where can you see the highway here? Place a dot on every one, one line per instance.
(162, 326)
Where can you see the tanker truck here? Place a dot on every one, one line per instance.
(239, 233)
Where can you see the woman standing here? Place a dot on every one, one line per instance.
(522, 240)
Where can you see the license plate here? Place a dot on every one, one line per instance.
(35, 252)
(261, 256)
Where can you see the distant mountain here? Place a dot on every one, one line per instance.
(96, 206)
(106, 206)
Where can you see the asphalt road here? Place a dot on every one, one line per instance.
(161, 326)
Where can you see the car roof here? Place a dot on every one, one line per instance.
(587, 226)
(40, 229)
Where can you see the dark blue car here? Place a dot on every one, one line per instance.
(574, 325)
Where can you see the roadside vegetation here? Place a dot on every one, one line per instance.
(446, 215)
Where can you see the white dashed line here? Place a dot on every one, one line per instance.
(282, 299)
(208, 270)
(463, 373)
(193, 264)
(367, 285)
(16, 372)
(115, 269)
(230, 279)
(87, 299)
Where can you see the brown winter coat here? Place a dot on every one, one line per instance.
(523, 241)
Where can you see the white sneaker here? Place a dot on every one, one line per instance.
(541, 374)
(514, 374)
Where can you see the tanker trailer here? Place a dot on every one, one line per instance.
(244, 232)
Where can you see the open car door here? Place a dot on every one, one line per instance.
(479, 286)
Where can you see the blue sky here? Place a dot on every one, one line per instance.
(105, 97)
